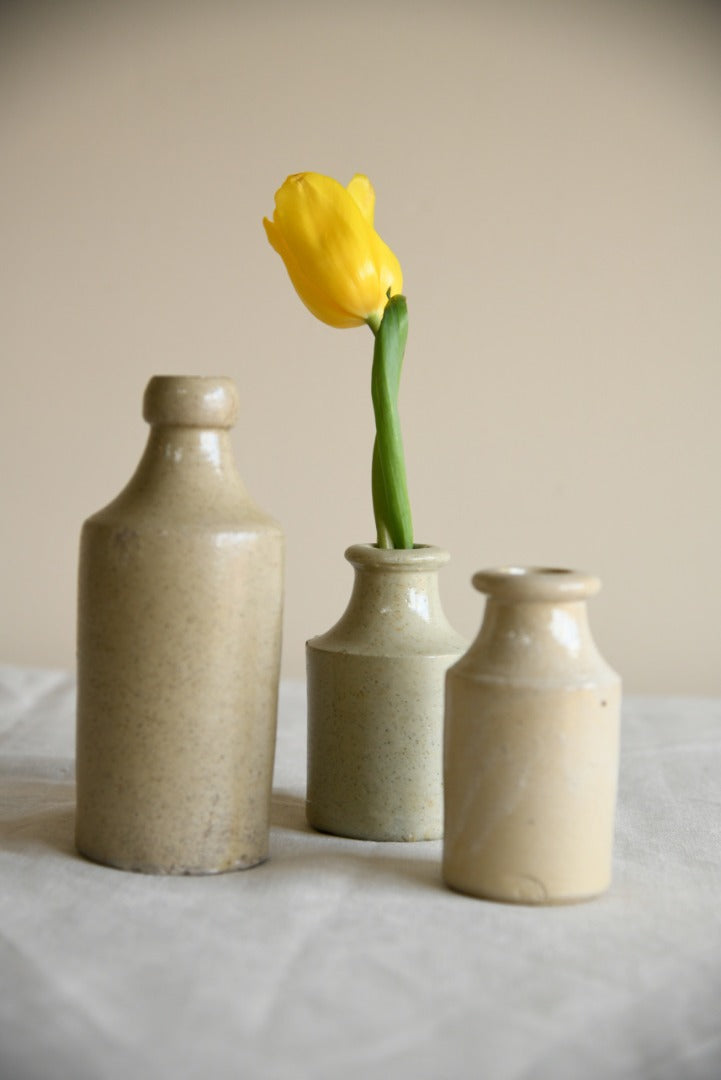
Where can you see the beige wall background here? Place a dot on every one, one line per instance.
(549, 176)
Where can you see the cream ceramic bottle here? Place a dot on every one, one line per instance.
(179, 624)
(531, 745)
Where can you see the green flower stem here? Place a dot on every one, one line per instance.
(391, 504)
(380, 508)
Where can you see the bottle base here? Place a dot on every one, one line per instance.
(138, 866)
(526, 891)
(389, 833)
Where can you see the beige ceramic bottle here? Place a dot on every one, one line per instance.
(375, 701)
(179, 623)
(531, 745)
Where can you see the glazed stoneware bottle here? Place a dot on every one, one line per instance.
(375, 701)
(179, 624)
(531, 745)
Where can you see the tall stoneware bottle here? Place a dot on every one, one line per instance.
(531, 745)
(375, 701)
(179, 624)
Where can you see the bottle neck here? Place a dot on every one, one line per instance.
(536, 640)
(187, 469)
(206, 451)
(396, 584)
(395, 606)
(390, 594)
(563, 626)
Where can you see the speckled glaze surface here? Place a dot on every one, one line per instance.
(375, 701)
(179, 627)
(531, 745)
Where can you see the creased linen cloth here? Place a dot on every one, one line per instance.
(341, 959)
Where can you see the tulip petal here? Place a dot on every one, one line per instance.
(314, 299)
(361, 191)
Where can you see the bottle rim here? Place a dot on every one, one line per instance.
(419, 558)
(206, 401)
(536, 583)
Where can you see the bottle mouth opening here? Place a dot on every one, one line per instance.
(536, 583)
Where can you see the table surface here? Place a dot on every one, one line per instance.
(341, 959)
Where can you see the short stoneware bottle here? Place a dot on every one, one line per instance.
(531, 745)
(375, 701)
(179, 628)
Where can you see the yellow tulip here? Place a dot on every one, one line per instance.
(337, 262)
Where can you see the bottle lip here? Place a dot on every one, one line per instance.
(409, 560)
(536, 583)
(206, 401)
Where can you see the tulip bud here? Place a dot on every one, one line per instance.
(337, 262)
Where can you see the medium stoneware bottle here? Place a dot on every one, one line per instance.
(531, 745)
(375, 701)
(179, 624)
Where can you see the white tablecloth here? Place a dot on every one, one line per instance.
(341, 959)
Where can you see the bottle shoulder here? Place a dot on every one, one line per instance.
(479, 667)
(162, 515)
(390, 637)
